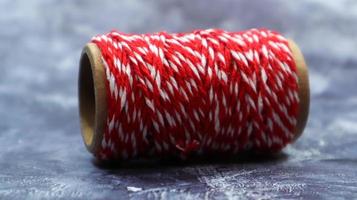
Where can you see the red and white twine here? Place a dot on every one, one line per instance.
(209, 91)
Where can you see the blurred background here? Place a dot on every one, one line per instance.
(41, 150)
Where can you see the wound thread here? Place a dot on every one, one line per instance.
(208, 91)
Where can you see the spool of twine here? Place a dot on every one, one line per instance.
(231, 92)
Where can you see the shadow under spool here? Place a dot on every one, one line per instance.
(92, 94)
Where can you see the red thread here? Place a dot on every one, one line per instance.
(209, 91)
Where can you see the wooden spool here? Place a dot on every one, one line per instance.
(93, 95)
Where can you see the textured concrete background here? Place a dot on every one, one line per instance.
(41, 150)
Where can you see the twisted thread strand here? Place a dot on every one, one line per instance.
(208, 91)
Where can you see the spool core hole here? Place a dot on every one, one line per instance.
(87, 103)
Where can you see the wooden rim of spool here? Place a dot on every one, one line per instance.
(93, 94)
(304, 88)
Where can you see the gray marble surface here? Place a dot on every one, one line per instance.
(41, 151)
